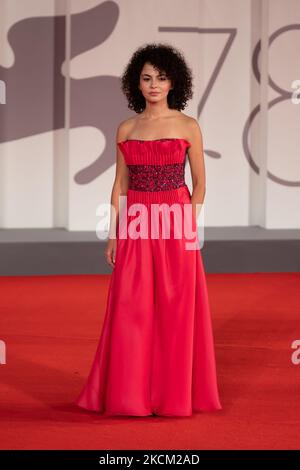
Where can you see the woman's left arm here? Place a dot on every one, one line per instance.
(196, 159)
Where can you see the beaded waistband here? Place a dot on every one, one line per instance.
(156, 177)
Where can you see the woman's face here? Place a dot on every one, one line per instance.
(154, 85)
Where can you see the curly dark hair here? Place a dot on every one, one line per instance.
(166, 59)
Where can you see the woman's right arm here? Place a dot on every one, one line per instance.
(120, 188)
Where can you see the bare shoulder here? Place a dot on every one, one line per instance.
(190, 126)
(124, 128)
(194, 131)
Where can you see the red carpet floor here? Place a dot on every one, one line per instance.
(51, 326)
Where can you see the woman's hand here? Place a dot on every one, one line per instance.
(110, 251)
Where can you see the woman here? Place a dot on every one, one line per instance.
(156, 354)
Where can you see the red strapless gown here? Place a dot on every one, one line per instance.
(156, 352)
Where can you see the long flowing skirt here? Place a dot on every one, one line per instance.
(156, 350)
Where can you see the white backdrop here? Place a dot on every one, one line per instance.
(56, 175)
